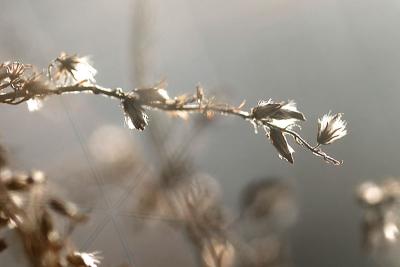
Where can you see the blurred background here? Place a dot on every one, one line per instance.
(326, 55)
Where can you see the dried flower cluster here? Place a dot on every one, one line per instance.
(73, 74)
(28, 210)
(381, 203)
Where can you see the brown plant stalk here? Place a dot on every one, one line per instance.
(73, 74)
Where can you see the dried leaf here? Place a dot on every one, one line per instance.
(135, 117)
(265, 109)
(242, 104)
(151, 95)
(280, 143)
(268, 110)
(284, 114)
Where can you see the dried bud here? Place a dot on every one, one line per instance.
(17, 200)
(288, 111)
(3, 245)
(269, 110)
(199, 94)
(22, 181)
(34, 104)
(280, 143)
(37, 177)
(47, 228)
(3, 220)
(218, 253)
(82, 259)
(391, 231)
(135, 117)
(36, 85)
(391, 188)
(71, 69)
(265, 109)
(370, 194)
(151, 95)
(18, 182)
(331, 128)
(3, 71)
(13, 71)
(3, 160)
(67, 209)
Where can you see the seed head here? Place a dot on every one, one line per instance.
(72, 69)
(331, 128)
(83, 259)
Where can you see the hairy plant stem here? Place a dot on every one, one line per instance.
(190, 105)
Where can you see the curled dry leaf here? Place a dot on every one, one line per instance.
(265, 109)
(67, 209)
(280, 143)
(152, 95)
(269, 110)
(289, 111)
(135, 117)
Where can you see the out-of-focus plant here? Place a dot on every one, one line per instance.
(267, 212)
(27, 208)
(381, 218)
(178, 193)
(73, 74)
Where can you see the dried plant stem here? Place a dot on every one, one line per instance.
(301, 141)
(191, 105)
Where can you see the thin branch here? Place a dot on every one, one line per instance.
(265, 114)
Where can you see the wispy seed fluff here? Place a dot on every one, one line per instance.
(72, 69)
(331, 128)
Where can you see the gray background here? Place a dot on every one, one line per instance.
(339, 55)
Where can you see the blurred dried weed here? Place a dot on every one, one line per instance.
(28, 209)
(381, 216)
(190, 200)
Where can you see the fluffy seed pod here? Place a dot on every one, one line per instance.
(72, 69)
(331, 128)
